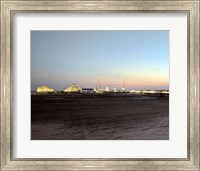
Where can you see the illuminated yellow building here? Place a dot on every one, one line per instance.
(73, 88)
(44, 89)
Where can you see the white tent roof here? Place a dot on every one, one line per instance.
(73, 88)
(44, 89)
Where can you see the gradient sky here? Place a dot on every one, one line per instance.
(100, 58)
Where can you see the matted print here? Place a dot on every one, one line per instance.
(100, 85)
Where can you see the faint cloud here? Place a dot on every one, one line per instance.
(155, 69)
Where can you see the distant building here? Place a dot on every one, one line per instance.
(115, 89)
(149, 91)
(136, 91)
(107, 89)
(100, 90)
(165, 91)
(73, 89)
(44, 89)
(88, 90)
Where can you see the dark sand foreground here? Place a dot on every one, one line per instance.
(98, 117)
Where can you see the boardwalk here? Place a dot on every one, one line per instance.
(98, 117)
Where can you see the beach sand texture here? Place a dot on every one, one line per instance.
(98, 117)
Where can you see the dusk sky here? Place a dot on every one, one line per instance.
(100, 58)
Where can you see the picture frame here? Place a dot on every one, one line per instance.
(10, 8)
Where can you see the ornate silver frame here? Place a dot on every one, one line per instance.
(10, 8)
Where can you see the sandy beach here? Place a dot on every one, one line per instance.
(98, 117)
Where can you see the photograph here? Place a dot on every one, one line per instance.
(100, 84)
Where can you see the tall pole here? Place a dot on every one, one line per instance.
(99, 84)
(124, 83)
